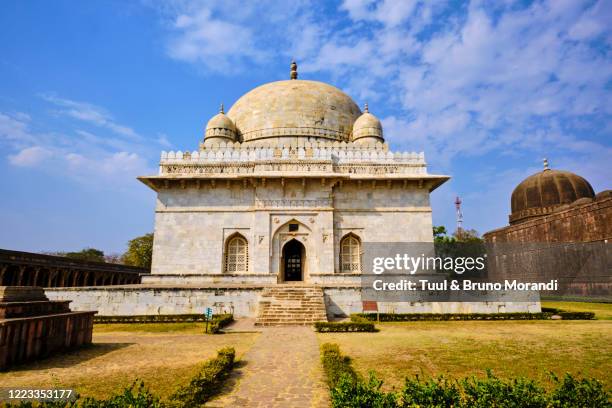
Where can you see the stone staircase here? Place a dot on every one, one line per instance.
(286, 305)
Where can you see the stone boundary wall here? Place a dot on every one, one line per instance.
(243, 301)
(19, 268)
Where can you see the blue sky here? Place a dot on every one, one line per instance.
(91, 92)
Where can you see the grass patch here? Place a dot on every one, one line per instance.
(464, 348)
(164, 356)
(603, 311)
(206, 383)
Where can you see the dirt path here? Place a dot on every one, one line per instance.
(282, 369)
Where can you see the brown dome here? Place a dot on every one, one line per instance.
(543, 192)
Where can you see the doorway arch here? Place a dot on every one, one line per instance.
(293, 261)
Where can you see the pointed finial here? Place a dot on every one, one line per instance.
(546, 164)
(294, 73)
(365, 108)
(221, 108)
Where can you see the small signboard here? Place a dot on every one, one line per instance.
(208, 316)
(370, 306)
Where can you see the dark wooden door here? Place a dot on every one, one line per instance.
(292, 254)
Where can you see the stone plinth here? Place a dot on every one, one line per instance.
(244, 300)
(33, 327)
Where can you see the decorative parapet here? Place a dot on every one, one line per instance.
(336, 157)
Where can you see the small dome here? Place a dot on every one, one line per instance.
(367, 125)
(220, 126)
(544, 192)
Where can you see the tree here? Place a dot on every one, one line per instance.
(139, 252)
(440, 236)
(470, 235)
(87, 254)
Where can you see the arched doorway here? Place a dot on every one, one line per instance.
(293, 261)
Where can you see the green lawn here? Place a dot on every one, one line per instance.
(463, 348)
(603, 311)
(164, 355)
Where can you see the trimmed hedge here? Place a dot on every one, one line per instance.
(208, 381)
(565, 315)
(177, 318)
(546, 314)
(215, 325)
(335, 364)
(219, 321)
(348, 389)
(409, 317)
(329, 327)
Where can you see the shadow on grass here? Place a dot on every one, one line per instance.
(230, 384)
(69, 358)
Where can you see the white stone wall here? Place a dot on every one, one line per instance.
(109, 301)
(193, 224)
(344, 301)
(243, 301)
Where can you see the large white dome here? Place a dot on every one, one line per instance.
(294, 108)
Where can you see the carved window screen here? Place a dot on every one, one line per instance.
(350, 254)
(237, 255)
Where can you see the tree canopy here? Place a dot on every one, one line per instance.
(87, 254)
(462, 235)
(139, 252)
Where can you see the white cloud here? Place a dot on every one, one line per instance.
(92, 114)
(219, 45)
(112, 160)
(388, 12)
(30, 156)
(14, 128)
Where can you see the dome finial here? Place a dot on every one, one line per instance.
(546, 164)
(365, 108)
(294, 73)
(221, 108)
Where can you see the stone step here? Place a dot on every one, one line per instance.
(291, 305)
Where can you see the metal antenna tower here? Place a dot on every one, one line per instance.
(459, 214)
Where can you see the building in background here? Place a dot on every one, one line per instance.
(561, 230)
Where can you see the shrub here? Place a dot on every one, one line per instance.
(208, 381)
(494, 392)
(328, 327)
(219, 321)
(347, 389)
(361, 394)
(438, 392)
(135, 396)
(584, 393)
